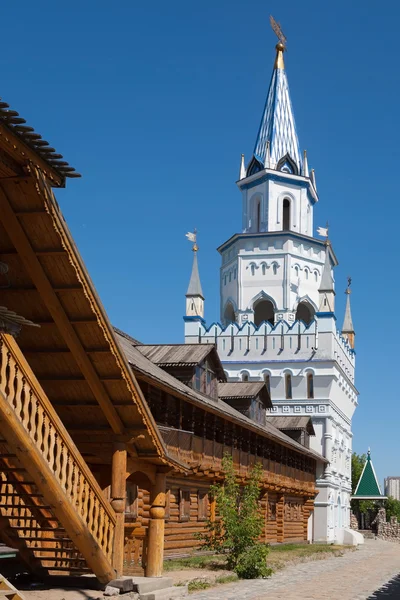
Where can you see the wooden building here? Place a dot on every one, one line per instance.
(106, 457)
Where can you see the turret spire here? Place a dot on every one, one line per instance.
(348, 327)
(277, 124)
(194, 294)
(327, 286)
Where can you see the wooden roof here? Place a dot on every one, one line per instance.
(74, 353)
(189, 355)
(147, 371)
(292, 423)
(20, 143)
(245, 389)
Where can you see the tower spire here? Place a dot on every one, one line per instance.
(327, 286)
(194, 294)
(348, 327)
(277, 124)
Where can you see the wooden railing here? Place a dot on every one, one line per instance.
(40, 421)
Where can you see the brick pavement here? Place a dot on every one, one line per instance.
(354, 576)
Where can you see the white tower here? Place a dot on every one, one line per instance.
(277, 304)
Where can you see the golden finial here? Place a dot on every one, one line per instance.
(281, 45)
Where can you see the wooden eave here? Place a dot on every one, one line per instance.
(74, 354)
(20, 144)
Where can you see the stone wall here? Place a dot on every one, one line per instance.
(387, 530)
(353, 522)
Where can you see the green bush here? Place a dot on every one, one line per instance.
(252, 563)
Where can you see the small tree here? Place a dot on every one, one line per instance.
(239, 524)
(392, 508)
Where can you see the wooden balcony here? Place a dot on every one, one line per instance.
(205, 457)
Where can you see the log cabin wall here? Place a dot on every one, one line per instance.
(200, 439)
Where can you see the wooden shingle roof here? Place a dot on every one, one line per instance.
(293, 422)
(245, 389)
(189, 355)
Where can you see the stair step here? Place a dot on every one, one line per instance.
(45, 539)
(55, 529)
(77, 569)
(40, 506)
(12, 469)
(29, 494)
(59, 558)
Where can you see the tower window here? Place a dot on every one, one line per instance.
(286, 215)
(245, 376)
(296, 271)
(229, 314)
(310, 385)
(316, 275)
(263, 268)
(263, 311)
(258, 216)
(305, 312)
(288, 386)
(267, 379)
(230, 276)
(275, 268)
(253, 268)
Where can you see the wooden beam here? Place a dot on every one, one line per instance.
(45, 252)
(55, 308)
(62, 350)
(45, 323)
(76, 379)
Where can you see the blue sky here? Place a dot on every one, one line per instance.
(154, 103)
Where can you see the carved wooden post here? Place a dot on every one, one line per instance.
(118, 498)
(280, 519)
(155, 548)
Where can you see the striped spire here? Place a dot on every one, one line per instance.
(277, 124)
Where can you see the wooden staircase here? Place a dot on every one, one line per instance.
(51, 507)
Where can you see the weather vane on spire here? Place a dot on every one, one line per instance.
(348, 290)
(278, 31)
(192, 237)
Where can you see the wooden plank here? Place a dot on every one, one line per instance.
(53, 304)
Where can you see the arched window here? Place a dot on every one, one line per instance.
(275, 268)
(224, 279)
(230, 276)
(245, 376)
(258, 216)
(306, 271)
(253, 268)
(229, 313)
(316, 275)
(263, 311)
(305, 312)
(267, 379)
(264, 268)
(296, 271)
(288, 386)
(310, 385)
(286, 215)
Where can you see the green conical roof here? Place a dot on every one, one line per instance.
(368, 486)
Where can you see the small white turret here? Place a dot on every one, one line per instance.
(327, 287)
(194, 294)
